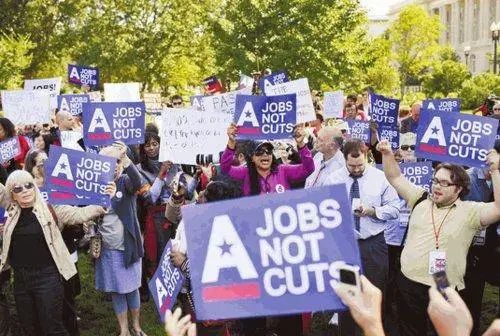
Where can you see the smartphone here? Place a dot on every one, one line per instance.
(349, 275)
(356, 203)
(441, 281)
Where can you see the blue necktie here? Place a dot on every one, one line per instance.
(354, 193)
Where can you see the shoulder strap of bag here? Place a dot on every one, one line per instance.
(422, 198)
(53, 213)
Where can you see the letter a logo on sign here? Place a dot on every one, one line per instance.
(64, 105)
(248, 115)
(99, 121)
(226, 250)
(435, 131)
(74, 73)
(62, 167)
(431, 106)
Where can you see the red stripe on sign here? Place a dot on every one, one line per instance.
(62, 182)
(433, 149)
(249, 130)
(99, 136)
(62, 195)
(165, 306)
(249, 290)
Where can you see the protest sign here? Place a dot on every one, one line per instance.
(278, 254)
(212, 85)
(333, 104)
(265, 117)
(197, 102)
(122, 92)
(442, 105)
(278, 77)
(245, 82)
(384, 111)
(359, 130)
(455, 137)
(53, 85)
(223, 103)
(9, 149)
(104, 123)
(153, 103)
(78, 173)
(72, 103)
(187, 132)
(305, 107)
(83, 75)
(26, 107)
(165, 283)
(70, 139)
(95, 96)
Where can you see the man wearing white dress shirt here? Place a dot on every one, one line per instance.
(329, 157)
(375, 202)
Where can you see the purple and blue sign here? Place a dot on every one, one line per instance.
(72, 103)
(70, 173)
(359, 130)
(442, 105)
(279, 254)
(455, 137)
(9, 149)
(278, 77)
(83, 75)
(265, 117)
(165, 283)
(104, 123)
(384, 111)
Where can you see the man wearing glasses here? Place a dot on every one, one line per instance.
(177, 101)
(440, 230)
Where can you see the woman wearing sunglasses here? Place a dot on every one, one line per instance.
(262, 174)
(33, 246)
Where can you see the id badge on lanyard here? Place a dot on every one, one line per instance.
(437, 261)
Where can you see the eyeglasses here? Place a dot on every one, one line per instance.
(406, 147)
(261, 152)
(442, 183)
(177, 103)
(18, 189)
(496, 109)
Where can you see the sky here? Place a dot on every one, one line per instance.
(378, 7)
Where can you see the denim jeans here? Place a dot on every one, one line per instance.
(39, 294)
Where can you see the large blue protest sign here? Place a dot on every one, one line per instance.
(384, 111)
(359, 130)
(455, 137)
(278, 77)
(9, 149)
(83, 75)
(442, 105)
(104, 123)
(72, 103)
(78, 173)
(265, 117)
(165, 283)
(278, 254)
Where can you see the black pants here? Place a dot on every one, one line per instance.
(71, 290)
(375, 267)
(474, 287)
(412, 302)
(39, 300)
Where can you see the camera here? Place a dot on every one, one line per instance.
(206, 159)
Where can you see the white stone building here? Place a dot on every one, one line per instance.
(377, 25)
(467, 26)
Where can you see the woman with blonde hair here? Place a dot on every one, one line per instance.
(33, 246)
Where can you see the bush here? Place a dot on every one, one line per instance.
(475, 90)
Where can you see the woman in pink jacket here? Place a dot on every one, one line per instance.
(262, 175)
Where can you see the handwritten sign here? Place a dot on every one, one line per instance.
(153, 103)
(95, 96)
(9, 149)
(187, 132)
(278, 77)
(53, 85)
(384, 111)
(79, 173)
(333, 104)
(72, 103)
(264, 117)
(278, 254)
(83, 75)
(305, 107)
(245, 82)
(69, 139)
(455, 137)
(104, 123)
(26, 107)
(359, 130)
(122, 92)
(223, 103)
(166, 283)
(442, 105)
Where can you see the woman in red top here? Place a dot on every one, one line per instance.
(8, 131)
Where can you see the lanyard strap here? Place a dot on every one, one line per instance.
(436, 234)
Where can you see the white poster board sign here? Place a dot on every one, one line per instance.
(27, 107)
(305, 107)
(223, 103)
(333, 104)
(122, 92)
(69, 139)
(53, 85)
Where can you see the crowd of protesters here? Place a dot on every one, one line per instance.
(39, 241)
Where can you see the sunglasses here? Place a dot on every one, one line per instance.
(261, 152)
(496, 109)
(177, 103)
(18, 189)
(406, 147)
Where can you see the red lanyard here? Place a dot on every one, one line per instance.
(436, 234)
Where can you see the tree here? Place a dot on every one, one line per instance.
(414, 38)
(320, 40)
(475, 90)
(445, 77)
(15, 57)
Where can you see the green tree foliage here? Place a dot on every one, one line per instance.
(446, 77)
(476, 89)
(321, 40)
(414, 38)
(15, 57)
